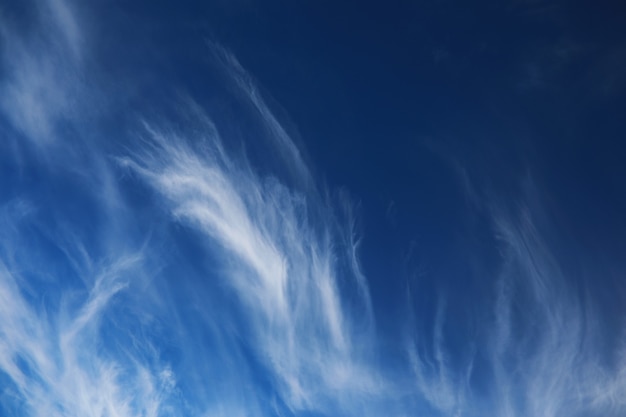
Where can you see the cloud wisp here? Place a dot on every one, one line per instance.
(542, 351)
(80, 327)
(548, 358)
(282, 268)
(42, 70)
(54, 357)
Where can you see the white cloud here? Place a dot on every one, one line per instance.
(282, 267)
(282, 142)
(544, 349)
(42, 71)
(105, 313)
(54, 355)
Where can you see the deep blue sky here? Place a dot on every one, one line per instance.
(391, 101)
(305, 208)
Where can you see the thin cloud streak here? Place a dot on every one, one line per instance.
(282, 268)
(40, 87)
(55, 356)
(282, 142)
(543, 347)
(556, 351)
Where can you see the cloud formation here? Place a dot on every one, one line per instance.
(157, 271)
(42, 74)
(55, 359)
(281, 252)
(542, 349)
(282, 268)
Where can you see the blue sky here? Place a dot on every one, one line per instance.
(239, 208)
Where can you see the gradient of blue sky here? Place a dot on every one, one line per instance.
(303, 209)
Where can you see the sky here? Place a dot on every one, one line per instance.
(236, 208)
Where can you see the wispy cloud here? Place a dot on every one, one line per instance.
(283, 268)
(553, 347)
(282, 142)
(544, 349)
(442, 386)
(52, 347)
(164, 274)
(83, 338)
(41, 70)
